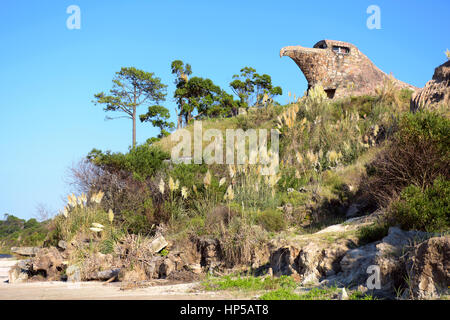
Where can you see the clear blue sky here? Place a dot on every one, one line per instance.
(49, 73)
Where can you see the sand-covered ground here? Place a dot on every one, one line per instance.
(57, 290)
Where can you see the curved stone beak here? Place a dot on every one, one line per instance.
(295, 51)
(309, 60)
(287, 51)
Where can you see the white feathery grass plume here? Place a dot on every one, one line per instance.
(80, 201)
(171, 184)
(184, 192)
(84, 198)
(229, 195)
(222, 181)
(71, 200)
(161, 186)
(299, 157)
(177, 184)
(207, 179)
(258, 169)
(64, 212)
(332, 156)
(312, 157)
(110, 215)
(97, 197)
(273, 179)
(231, 171)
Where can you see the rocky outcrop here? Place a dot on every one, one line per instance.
(49, 263)
(331, 257)
(340, 68)
(17, 275)
(385, 254)
(436, 91)
(428, 268)
(317, 256)
(25, 251)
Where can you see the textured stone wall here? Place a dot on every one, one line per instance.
(436, 91)
(342, 73)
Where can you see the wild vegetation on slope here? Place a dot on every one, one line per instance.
(366, 150)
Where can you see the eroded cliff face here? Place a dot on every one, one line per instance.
(340, 68)
(436, 91)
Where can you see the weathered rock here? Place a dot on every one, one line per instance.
(436, 91)
(209, 251)
(355, 262)
(158, 244)
(315, 262)
(384, 254)
(152, 267)
(17, 275)
(195, 268)
(428, 267)
(134, 275)
(352, 211)
(340, 68)
(96, 263)
(105, 274)
(62, 244)
(25, 265)
(48, 262)
(166, 268)
(25, 251)
(73, 273)
(283, 260)
(310, 259)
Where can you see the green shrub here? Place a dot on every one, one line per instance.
(418, 153)
(142, 161)
(136, 223)
(427, 210)
(289, 180)
(249, 283)
(272, 220)
(372, 233)
(280, 294)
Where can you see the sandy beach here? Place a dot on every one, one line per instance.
(58, 290)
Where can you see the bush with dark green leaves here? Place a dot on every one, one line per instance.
(418, 153)
(427, 210)
(142, 161)
(271, 220)
(372, 233)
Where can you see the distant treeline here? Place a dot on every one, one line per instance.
(19, 232)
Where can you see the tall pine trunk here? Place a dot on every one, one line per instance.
(134, 127)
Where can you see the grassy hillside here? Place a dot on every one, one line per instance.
(333, 154)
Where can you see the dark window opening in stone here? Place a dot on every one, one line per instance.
(330, 93)
(322, 45)
(338, 49)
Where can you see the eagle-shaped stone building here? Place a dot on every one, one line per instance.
(339, 67)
